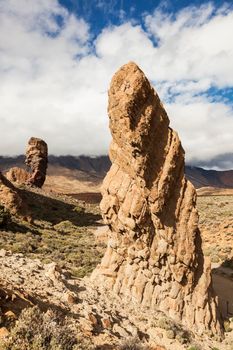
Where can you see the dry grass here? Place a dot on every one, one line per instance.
(216, 224)
(37, 330)
(61, 231)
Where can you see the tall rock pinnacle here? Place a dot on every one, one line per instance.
(37, 161)
(154, 255)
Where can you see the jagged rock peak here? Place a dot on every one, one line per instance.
(37, 161)
(154, 255)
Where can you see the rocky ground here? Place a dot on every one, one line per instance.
(97, 318)
(42, 260)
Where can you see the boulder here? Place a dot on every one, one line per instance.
(10, 198)
(18, 175)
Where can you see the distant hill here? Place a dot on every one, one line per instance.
(205, 178)
(97, 167)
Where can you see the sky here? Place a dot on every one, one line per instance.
(57, 58)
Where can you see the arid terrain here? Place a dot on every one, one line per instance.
(68, 236)
(216, 224)
(128, 262)
(93, 169)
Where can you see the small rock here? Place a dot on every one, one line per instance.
(52, 271)
(154, 333)
(70, 299)
(3, 332)
(181, 339)
(170, 334)
(93, 319)
(10, 315)
(106, 323)
(86, 325)
(121, 331)
(3, 253)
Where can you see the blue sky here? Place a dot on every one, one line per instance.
(102, 13)
(57, 62)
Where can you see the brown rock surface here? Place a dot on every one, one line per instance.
(154, 255)
(18, 175)
(96, 312)
(37, 161)
(10, 197)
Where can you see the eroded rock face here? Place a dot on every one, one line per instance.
(18, 175)
(154, 254)
(37, 161)
(10, 197)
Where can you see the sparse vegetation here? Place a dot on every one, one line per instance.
(35, 330)
(132, 344)
(216, 225)
(173, 330)
(61, 231)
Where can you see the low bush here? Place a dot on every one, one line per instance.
(132, 343)
(36, 330)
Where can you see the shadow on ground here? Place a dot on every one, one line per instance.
(61, 231)
(222, 277)
(55, 210)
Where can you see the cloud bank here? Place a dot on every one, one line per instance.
(54, 76)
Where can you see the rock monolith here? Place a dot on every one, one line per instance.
(37, 161)
(154, 255)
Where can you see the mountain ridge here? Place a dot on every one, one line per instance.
(98, 166)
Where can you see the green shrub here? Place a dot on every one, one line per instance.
(65, 227)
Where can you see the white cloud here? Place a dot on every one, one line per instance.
(194, 44)
(205, 128)
(54, 80)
